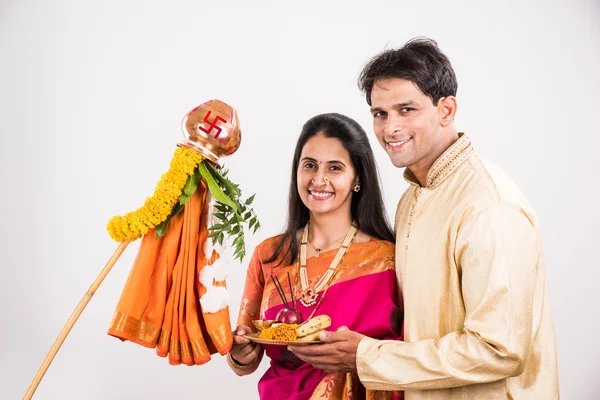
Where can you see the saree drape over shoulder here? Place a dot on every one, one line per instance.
(363, 296)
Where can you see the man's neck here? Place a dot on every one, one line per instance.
(422, 167)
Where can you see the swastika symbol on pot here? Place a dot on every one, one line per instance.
(212, 124)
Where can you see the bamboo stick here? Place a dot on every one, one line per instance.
(71, 321)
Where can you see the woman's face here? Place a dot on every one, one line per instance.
(325, 176)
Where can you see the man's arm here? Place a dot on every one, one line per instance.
(498, 252)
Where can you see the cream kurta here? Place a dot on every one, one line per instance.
(471, 271)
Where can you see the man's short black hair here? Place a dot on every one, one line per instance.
(420, 61)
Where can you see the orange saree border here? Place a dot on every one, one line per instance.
(132, 329)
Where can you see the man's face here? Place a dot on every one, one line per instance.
(406, 123)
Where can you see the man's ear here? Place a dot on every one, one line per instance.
(447, 110)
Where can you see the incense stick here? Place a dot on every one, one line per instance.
(287, 305)
(291, 291)
(280, 291)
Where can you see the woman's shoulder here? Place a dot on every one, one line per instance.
(270, 242)
(265, 249)
(380, 248)
(374, 255)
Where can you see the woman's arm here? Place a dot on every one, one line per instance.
(245, 355)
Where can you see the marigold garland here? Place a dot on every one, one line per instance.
(157, 208)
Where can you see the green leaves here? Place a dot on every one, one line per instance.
(231, 211)
(231, 189)
(209, 174)
(254, 223)
(161, 228)
(190, 187)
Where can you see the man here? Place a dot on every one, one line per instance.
(477, 321)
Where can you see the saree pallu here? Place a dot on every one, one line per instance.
(363, 296)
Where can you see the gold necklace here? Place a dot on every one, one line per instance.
(309, 294)
(319, 249)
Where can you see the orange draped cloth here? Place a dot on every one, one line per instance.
(160, 306)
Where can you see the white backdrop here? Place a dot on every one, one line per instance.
(91, 99)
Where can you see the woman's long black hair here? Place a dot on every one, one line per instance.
(367, 207)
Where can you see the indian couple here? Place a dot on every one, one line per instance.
(450, 304)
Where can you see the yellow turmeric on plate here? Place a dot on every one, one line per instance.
(284, 332)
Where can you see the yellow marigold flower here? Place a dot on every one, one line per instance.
(157, 208)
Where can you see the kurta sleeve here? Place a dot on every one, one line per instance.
(497, 252)
(253, 291)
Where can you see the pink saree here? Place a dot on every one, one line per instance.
(362, 296)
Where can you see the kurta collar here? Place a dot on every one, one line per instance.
(451, 160)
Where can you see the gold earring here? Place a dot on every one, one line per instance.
(356, 187)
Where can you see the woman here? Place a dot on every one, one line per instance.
(335, 210)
